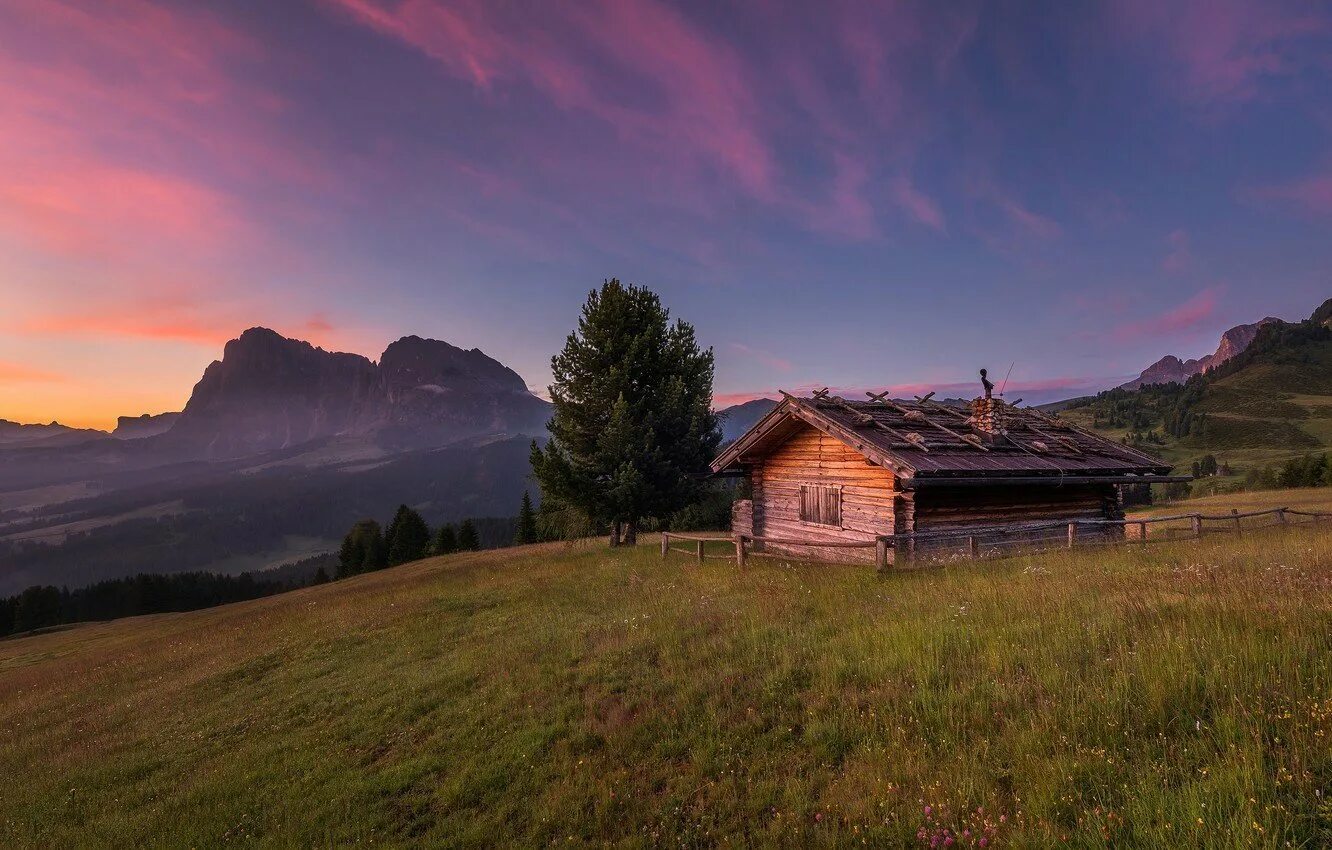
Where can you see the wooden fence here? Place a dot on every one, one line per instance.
(1000, 540)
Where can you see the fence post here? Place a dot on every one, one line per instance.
(973, 546)
(1281, 515)
(1196, 521)
(1238, 529)
(1072, 534)
(665, 543)
(700, 551)
(1142, 532)
(740, 551)
(880, 553)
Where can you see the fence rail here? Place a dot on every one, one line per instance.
(973, 542)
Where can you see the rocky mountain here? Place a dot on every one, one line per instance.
(429, 393)
(147, 425)
(280, 448)
(269, 392)
(1170, 369)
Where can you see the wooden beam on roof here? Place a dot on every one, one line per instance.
(970, 440)
(912, 439)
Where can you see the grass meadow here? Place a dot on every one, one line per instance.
(1177, 694)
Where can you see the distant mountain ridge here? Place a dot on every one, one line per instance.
(281, 447)
(1171, 370)
(269, 392)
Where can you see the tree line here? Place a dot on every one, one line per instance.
(43, 606)
(368, 546)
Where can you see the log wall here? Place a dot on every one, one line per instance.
(944, 509)
(811, 457)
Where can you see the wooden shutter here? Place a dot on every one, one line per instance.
(821, 504)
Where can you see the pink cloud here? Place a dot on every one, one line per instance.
(1032, 223)
(1222, 51)
(1312, 194)
(921, 207)
(1193, 315)
(1180, 257)
(704, 107)
(772, 361)
(90, 209)
(720, 400)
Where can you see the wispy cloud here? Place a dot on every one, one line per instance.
(1196, 314)
(772, 361)
(920, 206)
(1311, 193)
(1223, 52)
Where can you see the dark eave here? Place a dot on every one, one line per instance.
(931, 481)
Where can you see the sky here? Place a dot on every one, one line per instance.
(848, 194)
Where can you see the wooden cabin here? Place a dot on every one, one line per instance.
(827, 469)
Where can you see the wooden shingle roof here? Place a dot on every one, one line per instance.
(923, 441)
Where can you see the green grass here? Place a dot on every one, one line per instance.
(1172, 695)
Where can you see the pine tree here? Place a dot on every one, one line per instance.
(408, 537)
(468, 540)
(320, 576)
(6, 616)
(527, 524)
(349, 556)
(363, 549)
(446, 542)
(633, 418)
(37, 607)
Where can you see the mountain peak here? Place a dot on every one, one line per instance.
(270, 392)
(1171, 370)
(413, 362)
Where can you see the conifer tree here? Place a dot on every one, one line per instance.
(408, 537)
(468, 539)
(349, 556)
(633, 413)
(320, 576)
(527, 522)
(446, 541)
(363, 549)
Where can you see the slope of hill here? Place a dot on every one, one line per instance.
(1271, 402)
(581, 695)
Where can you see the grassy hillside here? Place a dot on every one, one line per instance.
(1177, 694)
(1269, 404)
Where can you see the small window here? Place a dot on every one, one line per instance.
(821, 504)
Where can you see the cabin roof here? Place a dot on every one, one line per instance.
(924, 439)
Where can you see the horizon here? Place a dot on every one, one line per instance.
(1041, 391)
(922, 190)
